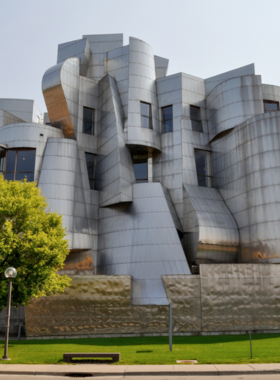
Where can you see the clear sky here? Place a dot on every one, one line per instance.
(199, 37)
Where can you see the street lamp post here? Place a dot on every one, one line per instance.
(10, 273)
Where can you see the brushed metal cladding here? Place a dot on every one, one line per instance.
(79, 49)
(236, 297)
(100, 45)
(232, 102)
(161, 66)
(246, 171)
(212, 82)
(94, 305)
(24, 109)
(223, 298)
(114, 170)
(211, 234)
(117, 65)
(8, 118)
(183, 292)
(62, 183)
(271, 92)
(60, 86)
(142, 87)
(141, 239)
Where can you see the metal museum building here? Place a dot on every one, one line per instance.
(169, 186)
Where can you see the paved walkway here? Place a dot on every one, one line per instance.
(138, 370)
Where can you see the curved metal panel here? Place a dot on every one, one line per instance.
(211, 234)
(246, 170)
(232, 102)
(142, 87)
(114, 172)
(60, 86)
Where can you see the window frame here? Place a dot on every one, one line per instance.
(92, 121)
(92, 185)
(144, 180)
(198, 121)
(265, 101)
(162, 120)
(16, 161)
(208, 178)
(150, 118)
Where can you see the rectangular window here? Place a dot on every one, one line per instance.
(88, 120)
(167, 119)
(20, 164)
(203, 168)
(90, 161)
(270, 106)
(140, 166)
(195, 119)
(2, 160)
(146, 115)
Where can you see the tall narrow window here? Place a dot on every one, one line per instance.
(146, 115)
(20, 164)
(203, 168)
(167, 119)
(270, 106)
(2, 160)
(195, 118)
(90, 161)
(140, 166)
(88, 120)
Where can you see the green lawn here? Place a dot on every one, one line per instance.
(152, 350)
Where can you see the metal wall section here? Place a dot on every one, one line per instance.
(141, 239)
(223, 298)
(232, 102)
(60, 86)
(114, 174)
(211, 234)
(240, 297)
(24, 109)
(27, 135)
(247, 173)
(64, 181)
(100, 44)
(117, 65)
(271, 92)
(79, 49)
(212, 82)
(8, 118)
(161, 66)
(142, 87)
(99, 305)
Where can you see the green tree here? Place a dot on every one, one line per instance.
(32, 240)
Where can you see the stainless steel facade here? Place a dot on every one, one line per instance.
(173, 222)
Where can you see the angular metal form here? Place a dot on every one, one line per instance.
(211, 233)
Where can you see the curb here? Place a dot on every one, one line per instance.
(144, 373)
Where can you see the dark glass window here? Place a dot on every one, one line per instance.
(2, 160)
(140, 166)
(203, 167)
(88, 120)
(20, 164)
(270, 106)
(195, 118)
(90, 161)
(146, 115)
(167, 119)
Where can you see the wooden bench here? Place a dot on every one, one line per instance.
(69, 356)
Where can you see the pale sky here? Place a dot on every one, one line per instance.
(199, 37)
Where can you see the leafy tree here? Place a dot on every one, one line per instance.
(32, 240)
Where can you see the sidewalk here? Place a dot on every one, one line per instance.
(135, 370)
